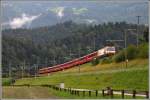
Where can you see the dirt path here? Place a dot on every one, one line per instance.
(129, 94)
(27, 93)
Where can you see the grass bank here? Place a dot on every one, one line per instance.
(135, 76)
(6, 81)
(37, 92)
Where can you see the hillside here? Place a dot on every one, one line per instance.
(101, 76)
(59, 43)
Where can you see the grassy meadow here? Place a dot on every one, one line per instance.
(135, 76)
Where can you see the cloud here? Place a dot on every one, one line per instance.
(90, 21)
(21, 21)
(78, 11)
(6, 5)
(59, 11)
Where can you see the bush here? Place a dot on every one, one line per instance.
(6, 81)
(143, 50)
(119, 56)
(132, 52)
(106, 60)
(95, 61)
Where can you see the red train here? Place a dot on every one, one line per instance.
(106, 51)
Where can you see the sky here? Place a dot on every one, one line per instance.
(18, 14)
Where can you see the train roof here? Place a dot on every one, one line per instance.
(71, 60)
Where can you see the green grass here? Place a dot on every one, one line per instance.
(133, 77)
(115, 75)
(6, 81)
(137, 63)
(67, 95)
(136, 79)
(37, 92)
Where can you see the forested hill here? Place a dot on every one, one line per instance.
(44, 44)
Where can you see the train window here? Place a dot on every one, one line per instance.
(111, 49)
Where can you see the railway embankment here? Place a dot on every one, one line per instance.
(135, 76)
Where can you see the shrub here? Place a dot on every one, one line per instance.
(106, 60)
(132, 52)
(95, 61)
(6, 81)
(143, 50)
(120, 56)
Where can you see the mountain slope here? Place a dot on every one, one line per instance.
(59, 43)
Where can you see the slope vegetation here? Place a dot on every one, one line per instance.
(117, 76)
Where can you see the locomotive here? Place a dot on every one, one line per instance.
(106, 51)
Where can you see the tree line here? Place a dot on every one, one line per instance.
(50, 45)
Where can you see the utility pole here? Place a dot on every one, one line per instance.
(125, 39)
(54, 60)
(46, 60)
(72, 54)
(37, 65)
(79, 48)
(35, 70)
(88, 50)
(138, 20)
(94, 42)
(29, 70)
(10, 76)
(22, 70)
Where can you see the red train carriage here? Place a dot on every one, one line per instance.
(108, 50)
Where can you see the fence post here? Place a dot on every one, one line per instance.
(122, 94)
(89, 93)
(78, 93)
(83, 93)
(134, 93)
(72, 91)
(111, 93)
(96, 92)
(147, 94)
(75, 92)
(103, 93)
(64, 90)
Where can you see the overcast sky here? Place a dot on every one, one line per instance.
(17, 14)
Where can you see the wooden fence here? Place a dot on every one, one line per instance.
(104, 92)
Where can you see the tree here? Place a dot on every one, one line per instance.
(146, 34)
(95, 61)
